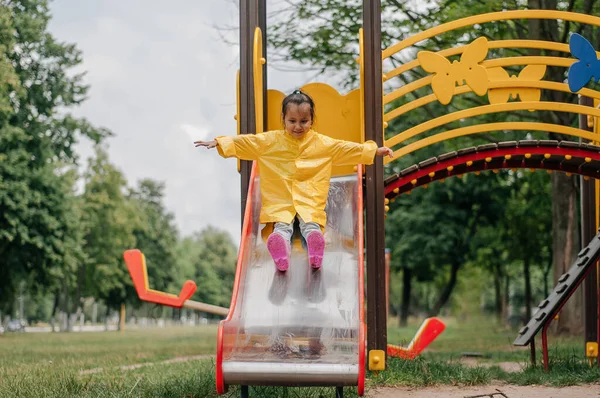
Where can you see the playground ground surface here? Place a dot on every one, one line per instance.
(492, 390)
(471, 358)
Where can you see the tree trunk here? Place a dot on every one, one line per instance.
(406, 289)
(566, 245)
(534, 25)
(66, 326)
(447, 292)
(498, 291)
(506, 298)
(546, 273)
(54, 308)
(527, 276)
(106, 317)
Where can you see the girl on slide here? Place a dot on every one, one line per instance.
(295, 169)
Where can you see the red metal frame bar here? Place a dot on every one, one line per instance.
(246, 230)
(496, 163)
(136, 264)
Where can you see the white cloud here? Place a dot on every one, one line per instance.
(102, 68)
(194, 133)
(161, 78)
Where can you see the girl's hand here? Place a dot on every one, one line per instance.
(382, 151)
(207, 144)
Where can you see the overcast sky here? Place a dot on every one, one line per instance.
(161, 77)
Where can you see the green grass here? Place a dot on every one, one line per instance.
(480, 335)
(441, 362)
(51, 365)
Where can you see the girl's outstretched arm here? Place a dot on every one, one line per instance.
(207, 144)
(382, 151)
(244, 147)
(347, 152)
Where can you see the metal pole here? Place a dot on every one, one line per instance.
(545, 346)
(588, 231)
(253, 13)
(376, 303)
(248, 22)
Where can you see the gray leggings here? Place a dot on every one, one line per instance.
(287, 230)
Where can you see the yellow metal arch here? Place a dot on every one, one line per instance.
(482, 128)
(492, 63)
(494, 16)
(512, 83)
(534, 44)
(486, 109)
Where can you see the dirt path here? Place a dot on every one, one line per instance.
(143, 364)
(489, 391)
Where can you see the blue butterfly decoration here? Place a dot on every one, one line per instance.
(588, 66)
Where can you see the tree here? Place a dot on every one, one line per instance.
(155, 232)
(109, 220)
(38, 231)
(528, 226)
(214, 266)
(435, 231)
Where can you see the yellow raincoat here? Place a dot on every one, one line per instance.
(295, 172)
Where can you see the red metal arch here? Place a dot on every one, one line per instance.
(565, 156)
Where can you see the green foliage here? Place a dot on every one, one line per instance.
(214, 266)
(39, 227)
(323, 35)
(155, 233)
(108, 220)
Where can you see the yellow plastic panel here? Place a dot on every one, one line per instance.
(336, 115)
(447, 74)
(528, 74)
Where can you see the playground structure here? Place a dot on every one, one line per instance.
(308, 328)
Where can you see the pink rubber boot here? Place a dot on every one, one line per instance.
(316, 246)
(280, 251)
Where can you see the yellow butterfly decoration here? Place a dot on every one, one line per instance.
(502, 95)
(447, 74)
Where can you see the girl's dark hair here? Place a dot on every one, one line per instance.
(298, 97)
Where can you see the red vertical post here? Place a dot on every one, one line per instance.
(373, 123)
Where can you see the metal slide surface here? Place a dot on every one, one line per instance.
(300, 327)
